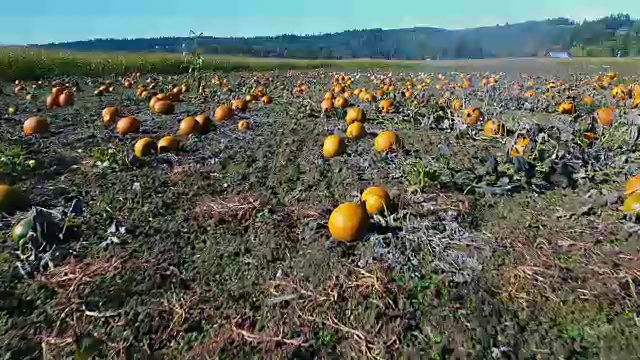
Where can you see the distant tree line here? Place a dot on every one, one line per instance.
(609, 36)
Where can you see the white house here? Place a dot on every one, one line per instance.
(558, 54)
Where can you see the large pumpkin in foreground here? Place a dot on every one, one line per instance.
(348, 222)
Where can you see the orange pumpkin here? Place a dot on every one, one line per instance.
(326, 106)
(167, 144)
(386, 106)
(521, 147)
(341, 102)
(164, 107)
(456, 105)
(386, 141)
(356, 131)
(259, 92)
(632, 185)
(53, 101)
(204, 121)
(567, 108)
(376, 199)
(355, 114)
(57, 91)
(177, 90)
(348, 222)
(175, 94)
(109, 115)
(155, 99)
(66, 99)
(606, 116)
(244, 125)
(472, 115)
(333, 146)
(12, 199)
(620, 92)
(188, 126)
(35, 125)
(239, 105)
(266, 100)
(144, 147)
(222, 113)
(368, 97)
(632, 204)
(493, 128)
(128, 125)
(589, 136)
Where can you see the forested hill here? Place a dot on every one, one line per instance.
(608, 36)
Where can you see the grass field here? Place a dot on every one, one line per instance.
(222, 249)
(35, 64)
(29, 64)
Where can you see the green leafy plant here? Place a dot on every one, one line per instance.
(194, 60)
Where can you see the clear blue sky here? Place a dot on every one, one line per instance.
(42, 21)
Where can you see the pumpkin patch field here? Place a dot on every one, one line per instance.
(369, 214)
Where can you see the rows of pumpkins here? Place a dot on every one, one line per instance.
(160, 103)
(335, 145)
(348, 221)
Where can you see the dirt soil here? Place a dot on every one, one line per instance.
(222, 250)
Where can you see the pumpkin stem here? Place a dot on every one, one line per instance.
(363, 206)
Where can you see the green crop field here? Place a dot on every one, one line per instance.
(34, 64)
(20, 63)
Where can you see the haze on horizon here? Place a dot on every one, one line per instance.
(53, 21)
